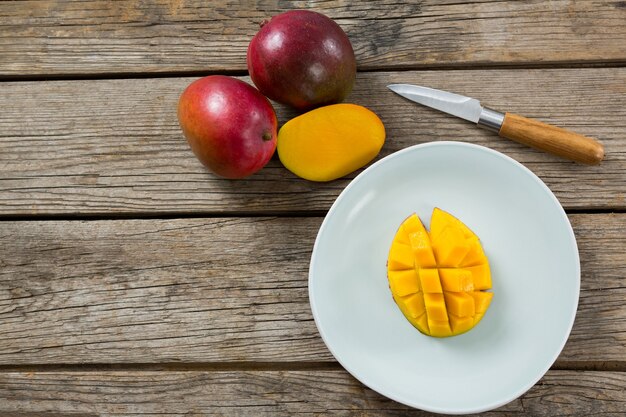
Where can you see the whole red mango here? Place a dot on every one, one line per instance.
(303, 59)
(230, 126)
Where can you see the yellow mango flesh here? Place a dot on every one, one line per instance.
(400, 257)
(441, 219)
(460, 304)
(481, 275)
(481, 300)
(419, 241)
(475, 254)
(330, 142)
(461, 324)
(450, 247)
(435, 306)
(429, 280)
(438, 278)
(414, 305)
(439, 328)
(456, 280)
(403, 282)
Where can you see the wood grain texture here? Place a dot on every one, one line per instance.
(98, 37)
(221, 290)
(114, 146)
(552, 139)
(231, 289)
(276, 394)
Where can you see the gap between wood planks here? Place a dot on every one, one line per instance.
(481, 66)
(216, 215)
(167, 215)
(613, 366)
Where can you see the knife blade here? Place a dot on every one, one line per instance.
(531, 132)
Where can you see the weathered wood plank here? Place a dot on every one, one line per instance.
(233, 288)
(274, 393)
(220, 290)
(114, 146)
(602, 248)
(96, 37)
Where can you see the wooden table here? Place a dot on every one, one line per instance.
(134, 282)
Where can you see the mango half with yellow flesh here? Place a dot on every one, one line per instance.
(439, 278)
(331, 141)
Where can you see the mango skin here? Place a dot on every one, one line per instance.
(303, 59)
(330, 142)
(229, 125)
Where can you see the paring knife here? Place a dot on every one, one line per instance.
(530, 132)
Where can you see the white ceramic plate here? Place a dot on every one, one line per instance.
(535, 270)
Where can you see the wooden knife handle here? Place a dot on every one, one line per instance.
(552, 139)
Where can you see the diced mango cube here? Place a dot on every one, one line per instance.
(414, 304)
(482, 300)
(419, 241)
(461, 324)
(456, 280)
(439, 328)
(400, 257)
(435, 306)
(403, 282)
(422, 250)
(475, 256)
(429, 280)
(414, 310)
(460, 304)
(481, 276)
(450, 247)
(412, 224)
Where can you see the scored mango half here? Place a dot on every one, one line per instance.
(438, 278)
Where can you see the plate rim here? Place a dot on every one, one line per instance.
(407, 401)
